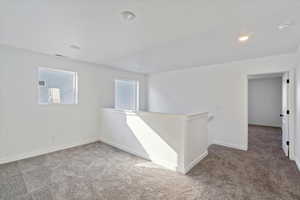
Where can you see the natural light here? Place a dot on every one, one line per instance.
(156, 147)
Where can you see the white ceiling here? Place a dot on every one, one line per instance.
(166, 35)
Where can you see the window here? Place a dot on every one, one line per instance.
(57, 86)
(127, 94)
(54, 95)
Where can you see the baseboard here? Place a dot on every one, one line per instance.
(234, 146)
(46, 151)
(264, 125)
(195, 162)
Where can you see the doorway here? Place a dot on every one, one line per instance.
(269, 109)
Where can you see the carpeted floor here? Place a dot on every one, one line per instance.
(98, 171)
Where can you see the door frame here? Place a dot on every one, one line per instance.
(291, 102)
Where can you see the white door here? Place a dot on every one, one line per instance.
(285, 113)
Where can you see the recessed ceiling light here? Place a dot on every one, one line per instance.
(128, 15)
(73, 46)
(244, 38)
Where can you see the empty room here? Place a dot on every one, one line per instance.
(149, 100)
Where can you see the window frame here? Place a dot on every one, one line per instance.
(75, 85)
(137, 100)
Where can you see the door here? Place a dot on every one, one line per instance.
(285, 113)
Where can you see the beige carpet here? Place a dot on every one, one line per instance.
(98, 171)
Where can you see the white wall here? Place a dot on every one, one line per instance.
(219, 89)
(264, 101)
(154, 136)
(297, 135)
(27, 128)
(177, 142)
